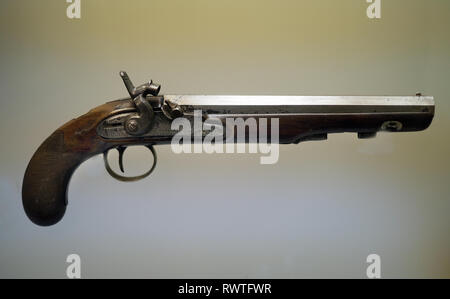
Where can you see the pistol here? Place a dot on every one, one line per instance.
(148, 119)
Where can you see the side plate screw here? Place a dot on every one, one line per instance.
(132, 125)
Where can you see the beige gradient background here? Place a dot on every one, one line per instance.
(318, 212)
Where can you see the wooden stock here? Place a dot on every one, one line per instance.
(44, 189)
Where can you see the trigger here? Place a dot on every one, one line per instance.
(121, 150)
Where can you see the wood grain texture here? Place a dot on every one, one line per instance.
(44, 189)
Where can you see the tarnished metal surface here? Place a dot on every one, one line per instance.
(267, 100)
(260, 106)
(114, 126)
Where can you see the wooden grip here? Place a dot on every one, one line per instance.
(44, 189)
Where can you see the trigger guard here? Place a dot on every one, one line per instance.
(127, 178)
